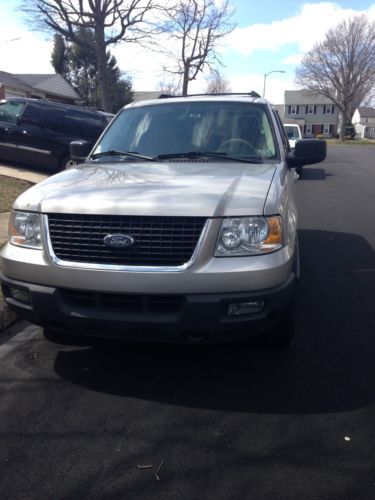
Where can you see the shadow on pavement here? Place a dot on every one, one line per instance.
(314, 174)
(330, 368)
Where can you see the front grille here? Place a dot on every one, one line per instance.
(123, 303)
(158, 241)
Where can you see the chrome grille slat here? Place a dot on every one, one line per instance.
(159, 241)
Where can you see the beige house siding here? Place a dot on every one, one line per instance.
(314, 113)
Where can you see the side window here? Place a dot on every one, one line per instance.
(10, 111)
(53, 118)
(281, 128)
(33, 115)
(85, 125)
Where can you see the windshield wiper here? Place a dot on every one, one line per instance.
(208, 154)
(115, 152)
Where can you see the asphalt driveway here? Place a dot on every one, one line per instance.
(231, 421)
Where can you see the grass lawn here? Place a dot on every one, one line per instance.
(10, 188)
(355, 142)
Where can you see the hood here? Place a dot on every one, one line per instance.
(208, 189)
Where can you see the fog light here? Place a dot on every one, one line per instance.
(19, 294)
(240, 308)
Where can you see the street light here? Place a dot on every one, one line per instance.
(265, 77)
(11, 40)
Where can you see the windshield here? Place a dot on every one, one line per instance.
(292, 132)
(10, 111)
(233, 129)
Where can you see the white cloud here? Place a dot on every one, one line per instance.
(307, 27)
(304, 29)
(32, 53)
(293, 59)
(275, 86)
(24, 51)
(145, 66)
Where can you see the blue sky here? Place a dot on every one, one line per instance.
(270, 35)
(267, 11)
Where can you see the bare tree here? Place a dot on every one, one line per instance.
(342, 67)
(111, 21)
(217, 84)
(170, 87)
(198, 26)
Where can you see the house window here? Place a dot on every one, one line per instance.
(293, 110)
(326, 129)
(310, 110)
(308, 129)
(328, 109)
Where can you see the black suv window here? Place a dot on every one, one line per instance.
(10, 111)
(65, 121)
(73, 122)
(33, 114)
(86, 125)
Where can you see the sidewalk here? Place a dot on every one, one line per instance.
(22, 173)
(4, 217)
(7, 317)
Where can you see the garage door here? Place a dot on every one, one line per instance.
(14, 93)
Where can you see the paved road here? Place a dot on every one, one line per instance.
(224, 422)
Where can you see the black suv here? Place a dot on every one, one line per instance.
(39, 132)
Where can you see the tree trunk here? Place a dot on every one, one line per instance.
(185, 80)
(100, 49)
(344, 121)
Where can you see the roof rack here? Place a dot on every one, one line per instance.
(250, 94)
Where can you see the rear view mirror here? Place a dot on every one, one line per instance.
(79, 150)
(307, 152)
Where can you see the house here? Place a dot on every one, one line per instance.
(314, 113)
(48, 86)
(364, 122)
(280, 111)
(146, 95)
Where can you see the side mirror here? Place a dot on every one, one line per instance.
(79, 150)
(307, 152)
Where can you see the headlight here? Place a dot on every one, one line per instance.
(24, 229)
(249, 236)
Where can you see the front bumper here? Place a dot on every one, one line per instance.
(147, 317)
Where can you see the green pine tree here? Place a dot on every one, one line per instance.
(77, 63)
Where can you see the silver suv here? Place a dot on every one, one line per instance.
(179, 226)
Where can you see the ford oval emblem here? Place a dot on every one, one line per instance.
(118, 240)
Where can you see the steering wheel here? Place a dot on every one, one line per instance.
(241, 145)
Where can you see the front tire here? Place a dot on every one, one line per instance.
(66, 163)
